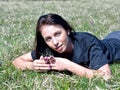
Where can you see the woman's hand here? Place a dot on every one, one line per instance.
(42, 64)
(60, 64)
(105, 72)
(48, 63)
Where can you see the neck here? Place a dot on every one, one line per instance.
(69, 48)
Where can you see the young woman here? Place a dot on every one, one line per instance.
(60, 48)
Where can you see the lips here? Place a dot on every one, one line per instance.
(59, 48)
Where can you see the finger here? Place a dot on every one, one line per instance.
(41, 57)
(46, 60)
(49, 67)
(43, 68)
(40, 65)
(38, 61)
(52, 60)
(37, 68)
(46, 68)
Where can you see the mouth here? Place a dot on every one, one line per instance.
(59, 48)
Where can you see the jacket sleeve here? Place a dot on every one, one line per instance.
(33, 54)
(97, 56)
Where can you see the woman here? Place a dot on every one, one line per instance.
(60, 48)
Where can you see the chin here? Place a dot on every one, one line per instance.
(60, 52)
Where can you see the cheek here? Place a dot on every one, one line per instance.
(49, 44)
(65, 39)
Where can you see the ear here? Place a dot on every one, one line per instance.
(68, 32)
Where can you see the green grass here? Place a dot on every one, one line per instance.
(17, 30)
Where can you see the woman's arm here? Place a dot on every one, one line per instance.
(65, 64)
(105, 72)
(24, 62)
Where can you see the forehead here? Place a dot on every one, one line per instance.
(46, 29)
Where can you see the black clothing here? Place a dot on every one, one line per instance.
(94, 53)
(91, 52)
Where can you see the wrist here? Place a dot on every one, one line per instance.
(68, 65)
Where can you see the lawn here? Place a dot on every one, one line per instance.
(17, 32)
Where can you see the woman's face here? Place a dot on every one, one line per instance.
(56, 38)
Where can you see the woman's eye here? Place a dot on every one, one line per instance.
(48, 39)
(58, 34)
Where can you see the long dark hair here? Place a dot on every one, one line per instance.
(41, 47)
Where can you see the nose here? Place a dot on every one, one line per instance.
(55, 41)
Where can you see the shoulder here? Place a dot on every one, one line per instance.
(84, 35)
(33, 54)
